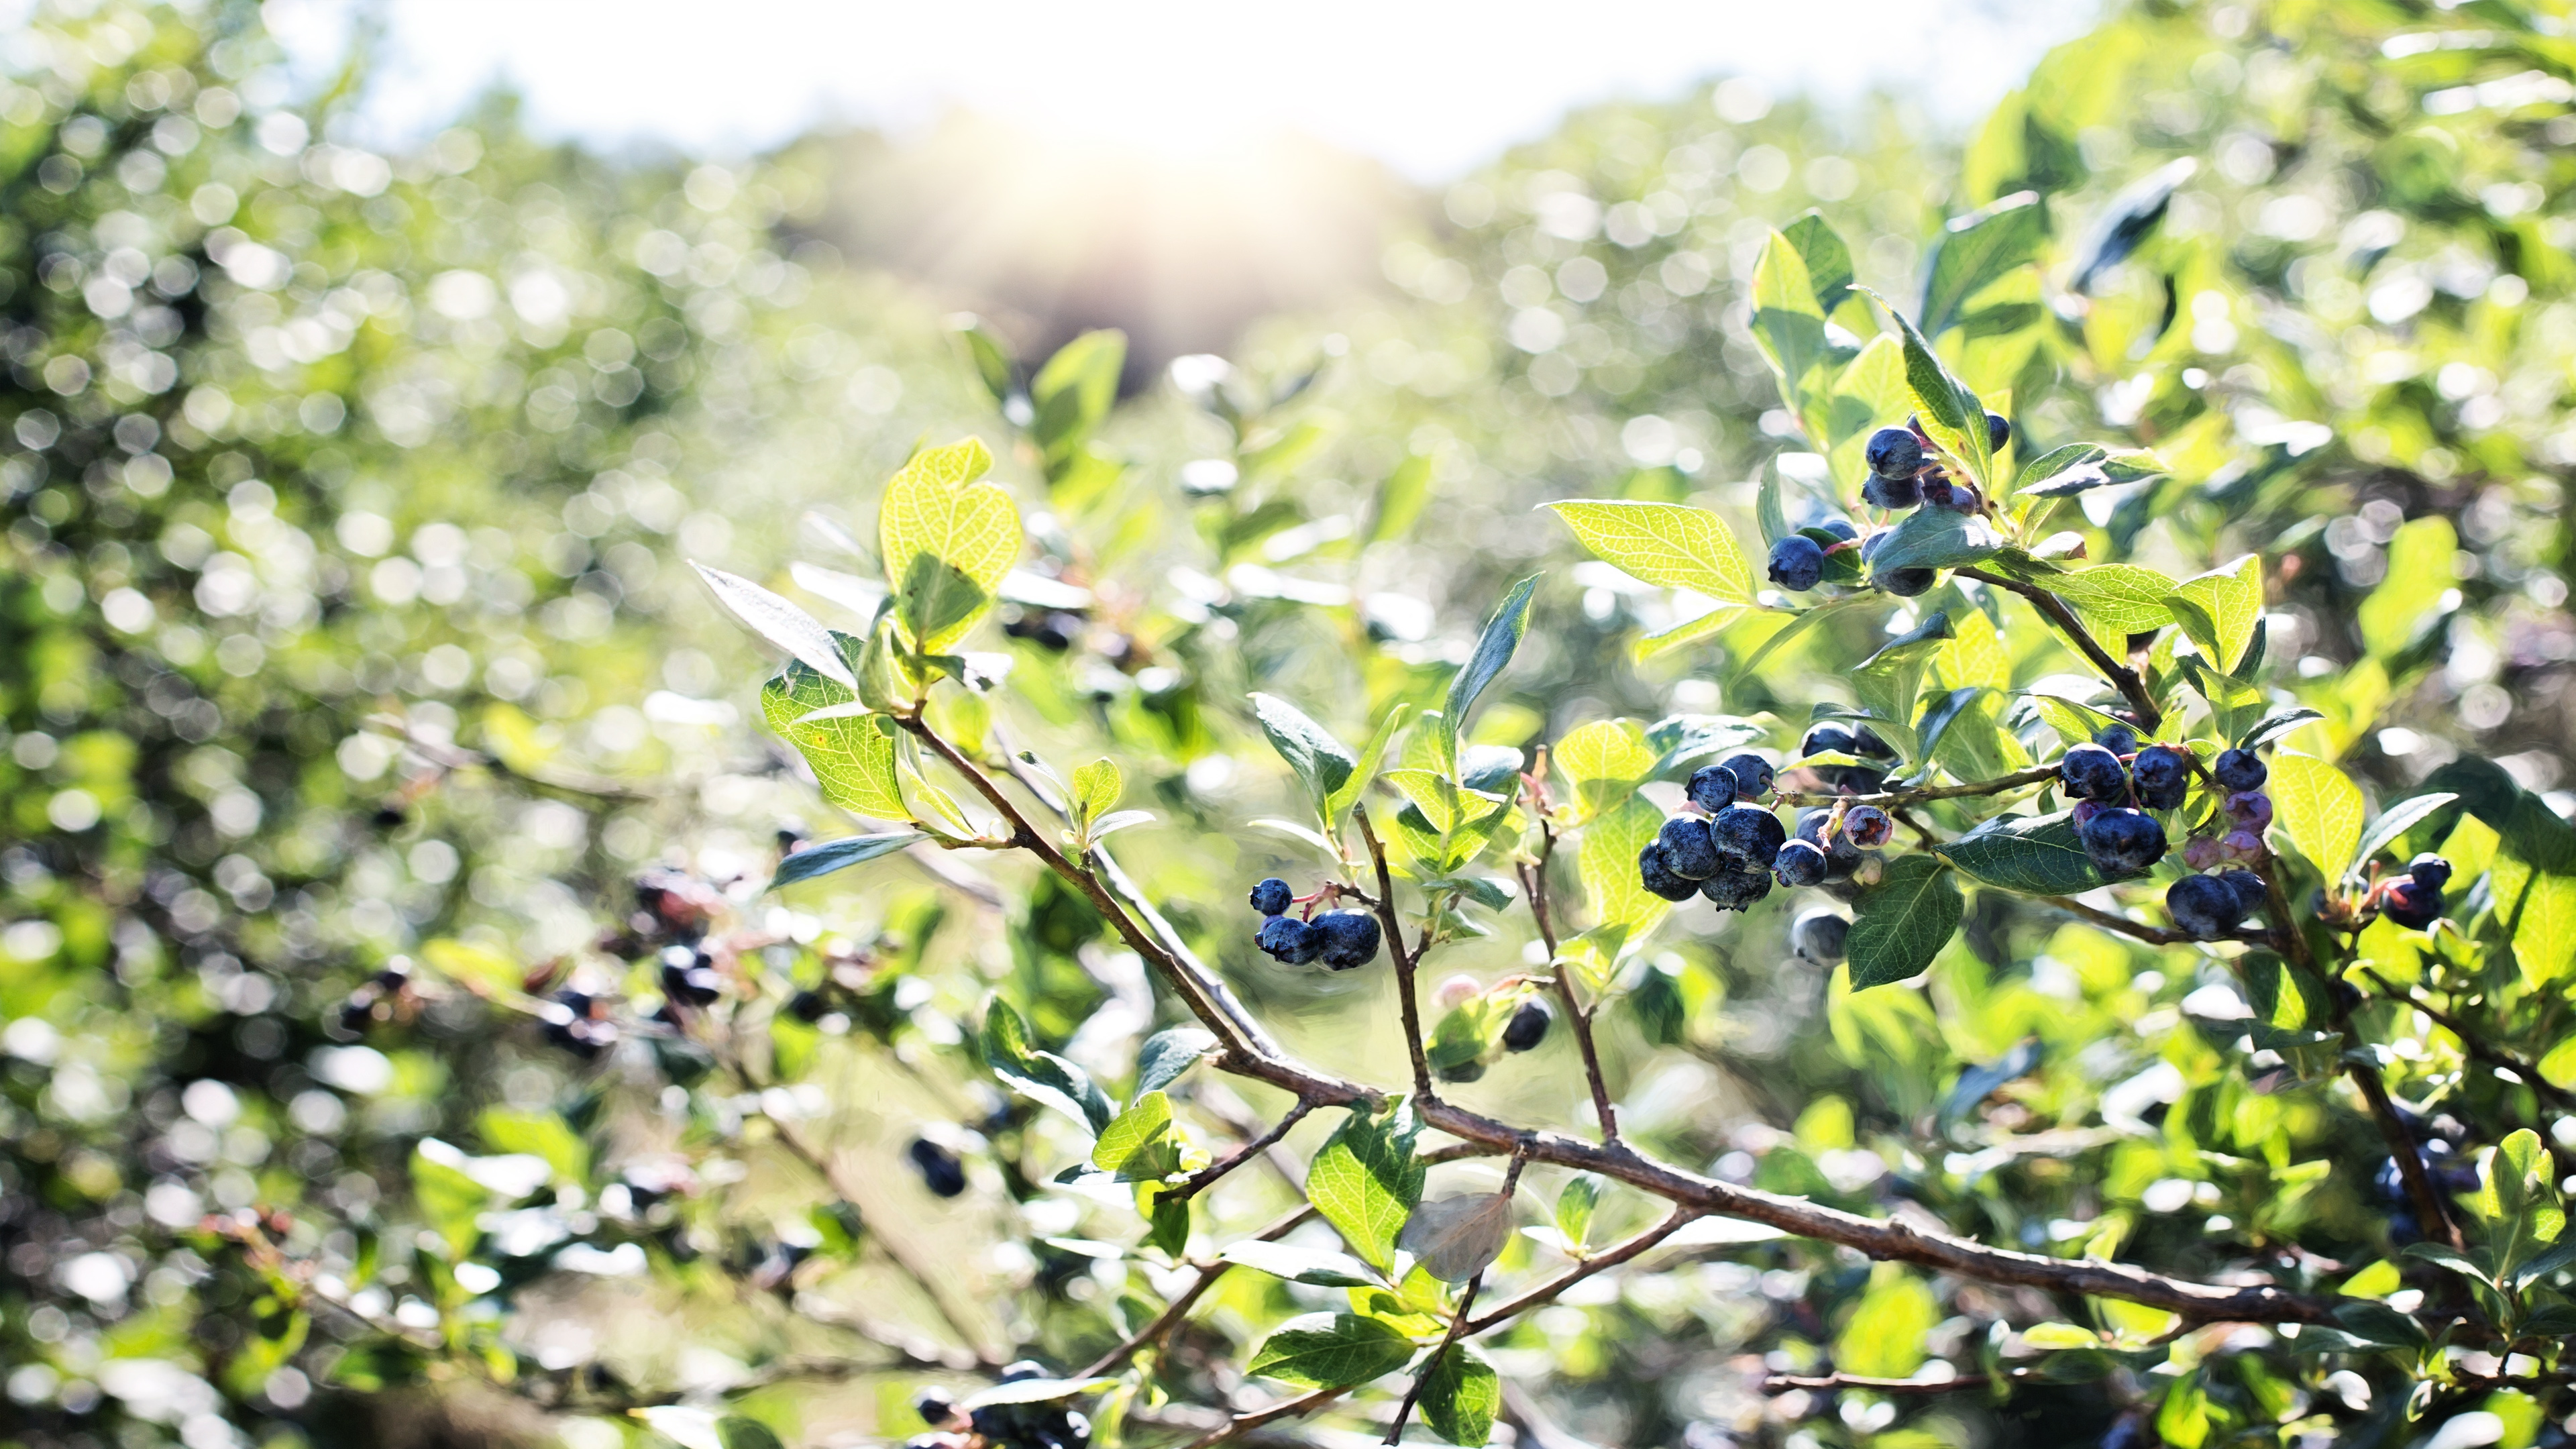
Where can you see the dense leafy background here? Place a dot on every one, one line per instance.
(348, 628)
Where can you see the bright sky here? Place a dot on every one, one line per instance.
(1430, 86)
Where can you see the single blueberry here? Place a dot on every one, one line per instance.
(940, 1170)
(1893, 493)
(2091, 772)
(1747, 837)
(1752, 775)
(2251, 810)
(1711, 788)
(2249, 888)
(1687, 847)
(1905, 583)
(1998, 432)
(2119, 739)
(2412, 904)
(1289, 941)
(1869, 746)
(1528, 1026)
(1797, 563)
(934, 1407)
(2163, 776)
(1825, 737)
(2204, 906)
(1818, 936)
(2430, 871)
(1470, 1070)
(1867, 826)
(2239, 770)
(1346, 939)
(1894, 453)
(1840, 528)
(1842, 856)
(1272, 896)
(1799, 863)
(1655, 873)
(1736, 890)
(2122, 842)
(1938, 489)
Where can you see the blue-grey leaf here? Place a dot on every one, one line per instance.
(840, 854)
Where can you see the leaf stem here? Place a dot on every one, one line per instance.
(1207, 1176)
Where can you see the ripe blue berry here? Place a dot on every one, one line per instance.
(2119, 739)
(1528, 1026)
(1752, 775)
(1655, 873)
(2091, 772)
(1289, 941)
(2203, 905)
(1272, 896)
(1799, 863)
(1867, 826)
(689, 976)
(2430, 871)
(2122, 842)
(2412, 904)
(1818, 936)
(1881, 492)
(2239, 770)
(1797, 563)
(1904, 583)
(941, 1172)
(2163, 776)
(1998, 432)
(1894, 453)
(1346, 939)
(1687, 847)
(1736, 890)
(2250, 894)
(1842, 856)
(1747, 837)
(1711, 788)
(1840, 528)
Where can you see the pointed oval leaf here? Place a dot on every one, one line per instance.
(1331, 1351)
(1668, 544)
(1461, 1395)
(1456, 1238)
(840, 854)
(1901, 924)
(781, 623)
(1494, 649)
(2035, 854)
(1320, 1266)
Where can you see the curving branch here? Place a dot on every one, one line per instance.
(1577, 1019)
(1407, 998)
(2054, 610)
(2473, 1043)
(1600, 1262)
(1206, 1177)
(1890, 799)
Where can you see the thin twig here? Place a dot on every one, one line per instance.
(2035, 775)
(1179, 1308)
(1242, 1424)
(1600, 1262)
(1578, 1020)
(1828, 1383)
(2054, 610)
(1406, 998)
(1206, 1176)
(2472, 1042)
(1458, 1322)
(2152, 935)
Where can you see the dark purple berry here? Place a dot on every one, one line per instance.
(1797, 563)
(1904, 583)
(2411, 904)
(2091, 772)
(689, 976)
(1289, 941)
(2249, 889)
(2239, 770)
(1687, 847)
(1272, 897)
(1894, 453)
(1346, 940)
(1867, 826)
(934, 1407)
(1752, 776)
(1818, 936)
(1528, 1026)
(2122, 842)
(1892, 493)
(1711, 788)
(941, 1172)
(1747, 837)
(1998, 432)
(1655, 872)
(2119, 739)
(1799, 863)
(1842, 856)
(1736, 890)
(2430, 871)
(2204, 906)
(2163, 776)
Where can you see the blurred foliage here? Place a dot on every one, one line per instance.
(369, 745)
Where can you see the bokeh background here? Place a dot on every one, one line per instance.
(371, 374)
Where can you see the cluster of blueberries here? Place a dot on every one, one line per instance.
(1343, 940)
(1734, 851)
(1050, 1424)
(2413, 897)
(1903, 474)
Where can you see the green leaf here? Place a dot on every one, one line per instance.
(2403, 607)
(1137, 1145)
(1320, 1266)
(1400, 498)
(1603, 763)
(1457, 1237)
(1767, 513)
(1934, 538)
(1096, 788)
(1951, 413)
(2232, 599)
(840, 854)
(2117, 599)
(1321, 761)
(1168, 1053)
(2074, 723)
(1365, 1181)
(935, 507)
(2082, 467)
(1338, 804)
(1901, 924)
(1331, 1350)
(1607, 864)
(478, 969)
(1666, 544)
(1461, 1395)
(2518, 1197)
(992, 360)
(539, 1134)
(2279, 722)
(1574, 1207)
(734, 1431)
(1827, 257)
(1788, 326)
(1073, 393)
(1870, 391)
(1798, 624)
(1975, 251)
(850, 749)
(2376, 1322)
(2035, 854)
(782, 624)
(2319, 808)
(1493, 650)
(1042, 1077)
(2533, 875)
(2393, 822)
(1884, 1338)
(1167, 1223)
(1891, 680)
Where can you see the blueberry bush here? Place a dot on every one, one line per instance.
(2040, 915)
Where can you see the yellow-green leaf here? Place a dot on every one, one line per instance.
(936, 508)
(1607, 862)
(2319, 808)
(2419, 573)
(1602, 762)
(1663, 543)
(1884, 1338)
(2232, 598)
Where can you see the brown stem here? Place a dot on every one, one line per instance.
(1410, 1007)
(2472, 1043)
(1242, 1424)
(1598, 1263)
(1534, 885)
(1206, 1176)
(2054, 610)
(959, 1316)
(2035, 775)
(1179, 1308)
(1458, 1322)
